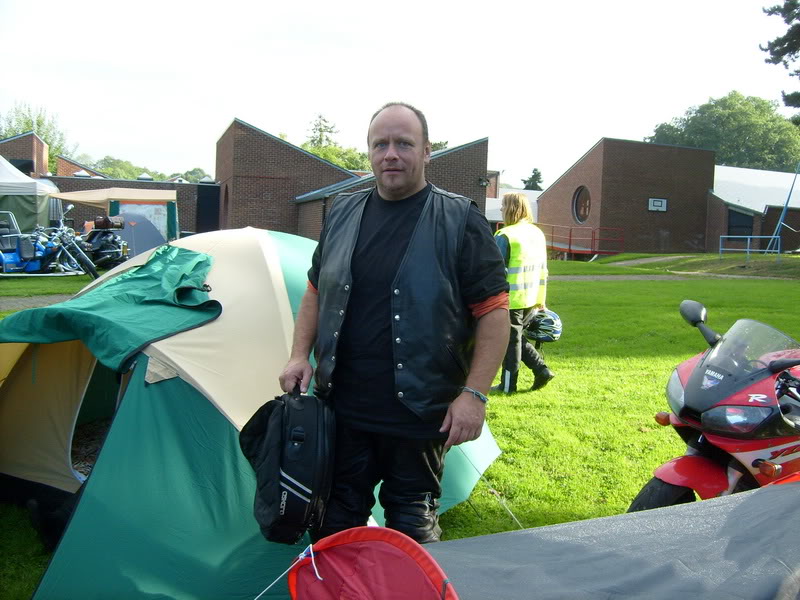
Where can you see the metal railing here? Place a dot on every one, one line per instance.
(584, 240)
(773, 247)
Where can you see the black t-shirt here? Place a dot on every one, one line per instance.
(363, 381)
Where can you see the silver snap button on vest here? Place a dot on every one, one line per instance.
(399, 394)
(397, 340)
(397, 317)
(399, 365)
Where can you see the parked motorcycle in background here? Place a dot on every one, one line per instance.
(737, 407)
(103, 245)
(44, 251)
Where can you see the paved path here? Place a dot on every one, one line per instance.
(642, 261)
(20, 302)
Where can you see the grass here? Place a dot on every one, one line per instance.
(42, 286)
(583, 446)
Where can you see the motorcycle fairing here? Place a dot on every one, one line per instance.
(706, 477)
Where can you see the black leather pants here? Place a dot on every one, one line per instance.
(411, 472)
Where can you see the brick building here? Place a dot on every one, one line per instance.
(27, 152)
(268, 182)
(642, 197)
(263, 181)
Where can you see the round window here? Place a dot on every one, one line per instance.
(581, 204)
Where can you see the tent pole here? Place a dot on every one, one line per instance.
(777, 231)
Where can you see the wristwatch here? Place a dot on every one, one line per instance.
(476, 393)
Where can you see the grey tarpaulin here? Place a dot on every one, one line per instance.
(745, 546)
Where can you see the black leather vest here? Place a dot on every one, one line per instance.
(432, 329)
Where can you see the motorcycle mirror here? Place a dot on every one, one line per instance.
(69, 208)
(781, 364)
(693, 312)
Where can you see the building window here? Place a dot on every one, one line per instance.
(739, 223)
(581, 204)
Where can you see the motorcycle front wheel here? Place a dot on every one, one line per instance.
(657, 494)
(86, 264)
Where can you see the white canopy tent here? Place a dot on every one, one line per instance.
(24, 196)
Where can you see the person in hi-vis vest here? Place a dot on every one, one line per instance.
(524, 250)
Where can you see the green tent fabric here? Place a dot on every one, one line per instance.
(116, 319)
(179, 521)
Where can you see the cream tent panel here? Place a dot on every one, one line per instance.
(236, 359)
(9, 354)
(38, 404)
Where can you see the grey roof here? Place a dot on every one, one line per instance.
(19, 135)
(343, 186)
(755, 189)
(82, 166)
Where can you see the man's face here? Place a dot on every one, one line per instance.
(398, 153)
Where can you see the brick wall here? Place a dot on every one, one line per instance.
(186, 193)
(260, 176)
(27, 147)
(555, 215)
(634, 172)
(621, 176)
(458, 172)
(716, 222)
(67, 168)
(789, 239)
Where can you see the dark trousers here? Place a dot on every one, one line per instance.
(411, 472)
(519, 350)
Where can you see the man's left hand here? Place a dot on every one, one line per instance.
(464, 420)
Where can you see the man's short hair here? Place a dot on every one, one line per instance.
(423, 121)
(516, 208)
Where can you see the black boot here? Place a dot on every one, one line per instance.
(542, 378)
(508, 383)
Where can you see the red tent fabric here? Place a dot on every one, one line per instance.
(369, 563)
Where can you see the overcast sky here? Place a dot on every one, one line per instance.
(157, 83)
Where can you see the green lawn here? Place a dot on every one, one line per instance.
(42, 286)
(583, 446)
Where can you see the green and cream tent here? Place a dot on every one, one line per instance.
(180, 345)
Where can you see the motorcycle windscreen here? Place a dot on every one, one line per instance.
(738, 360)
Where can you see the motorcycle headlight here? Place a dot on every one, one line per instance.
(675, 393)
(734, 419)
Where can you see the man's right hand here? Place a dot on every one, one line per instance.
(296, 372)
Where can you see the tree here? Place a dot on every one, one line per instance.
(116, 168)
(322, 132)
(744, 131)
(785, 49)
(23, 118)
(534, 182)
(322, 143)
(192, 175)
(438, 146)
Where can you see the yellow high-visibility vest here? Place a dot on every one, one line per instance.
(527, 265)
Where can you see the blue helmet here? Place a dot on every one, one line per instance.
(544, 327)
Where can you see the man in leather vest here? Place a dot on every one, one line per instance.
(407, 310)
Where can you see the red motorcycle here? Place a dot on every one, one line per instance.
(737, 407)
